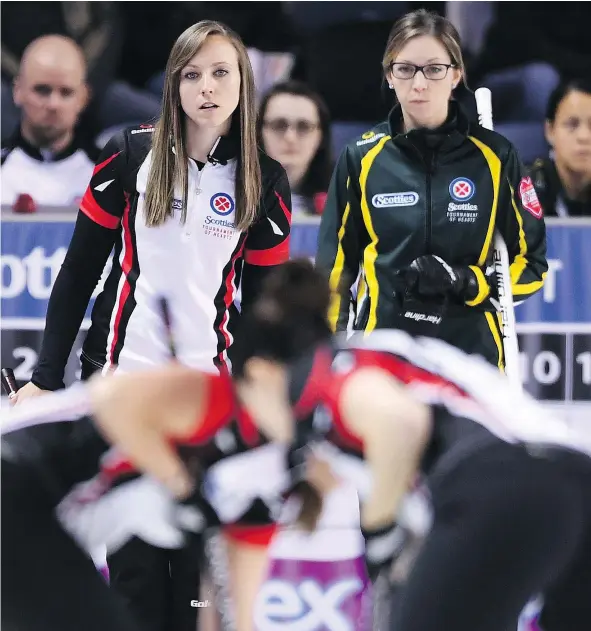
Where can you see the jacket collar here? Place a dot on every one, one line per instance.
(224, 149)
(448, 136)
(554, 182)
(43, 155)
(227, 147)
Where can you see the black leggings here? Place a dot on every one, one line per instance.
(48, 583)
(507, 526)
(159, 585)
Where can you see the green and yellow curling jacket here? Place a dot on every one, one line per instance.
(396, 196)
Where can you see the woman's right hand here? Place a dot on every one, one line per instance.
(28, 391)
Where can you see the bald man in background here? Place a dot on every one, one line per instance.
(44, 160)
(101, 30)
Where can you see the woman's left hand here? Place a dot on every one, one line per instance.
(430, 276)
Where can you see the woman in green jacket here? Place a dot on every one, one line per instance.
(414, 203)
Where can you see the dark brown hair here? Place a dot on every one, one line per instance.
(311, 504)
(288, 318)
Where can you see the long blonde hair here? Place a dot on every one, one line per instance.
(423, 22)
(168, 168)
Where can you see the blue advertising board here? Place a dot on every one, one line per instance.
(554, 326)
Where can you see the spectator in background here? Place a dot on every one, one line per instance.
(563, 181)
(45, 162)
(97, 27)
(293, 127)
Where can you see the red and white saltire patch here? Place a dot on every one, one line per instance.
(529, 198)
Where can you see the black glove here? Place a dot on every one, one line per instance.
(194, 514)
(383, 546)
(430, 277)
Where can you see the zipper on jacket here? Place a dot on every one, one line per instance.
(430, 170)
(197, 191)
(429, 205)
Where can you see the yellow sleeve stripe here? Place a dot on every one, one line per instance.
(336, 272)
(494, 166)
(495, 328)
(520, 262)
(528, 288)
(371, 251)
(361, 288)
(483, 287)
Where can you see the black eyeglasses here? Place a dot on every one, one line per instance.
(432, 72)
(281, 125)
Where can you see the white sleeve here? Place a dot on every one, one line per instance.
(70, 404)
